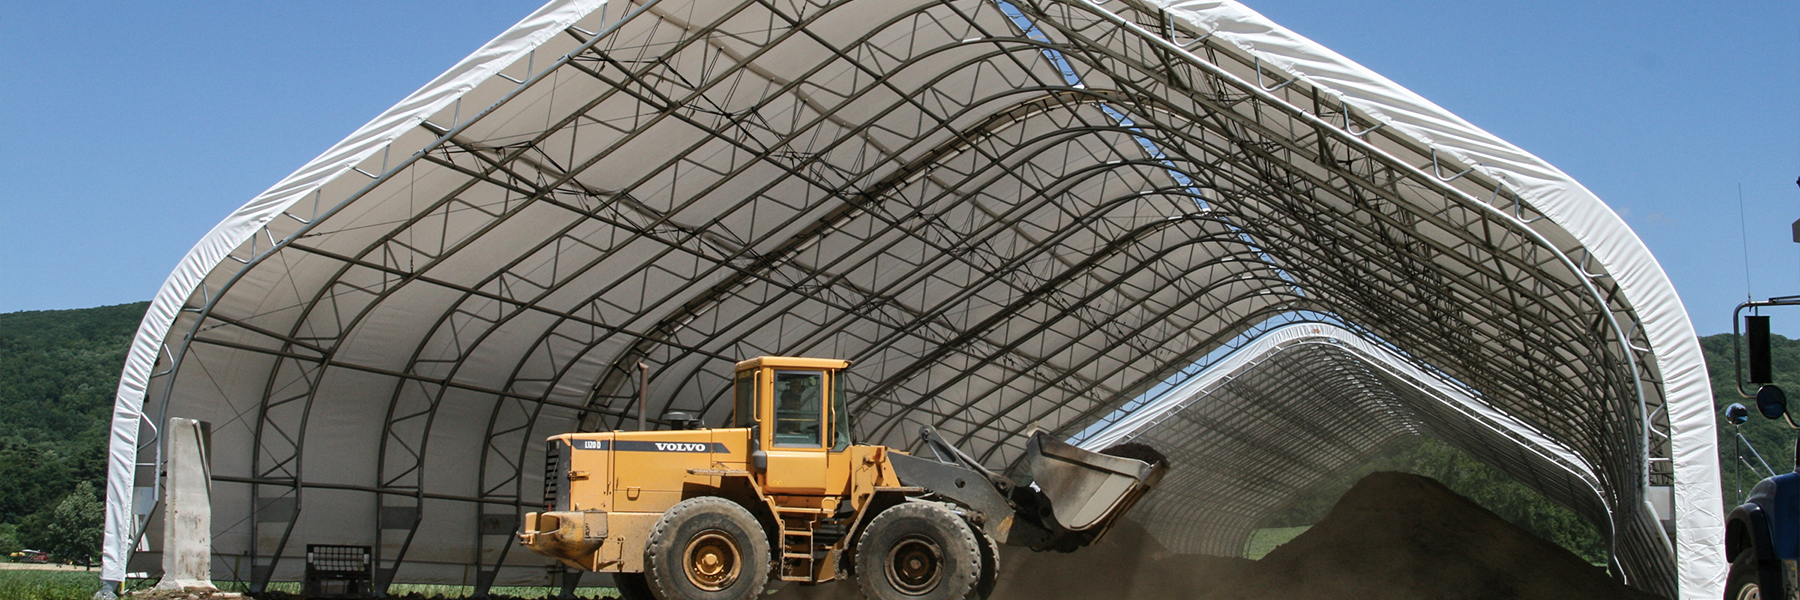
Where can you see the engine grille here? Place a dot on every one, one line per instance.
(556, 475)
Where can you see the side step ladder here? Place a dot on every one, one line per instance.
(797, 558)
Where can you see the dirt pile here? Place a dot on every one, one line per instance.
(1127, 564)
(1398, 537)
(1393, 536)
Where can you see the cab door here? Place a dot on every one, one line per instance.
(839, 463)
(795, 435)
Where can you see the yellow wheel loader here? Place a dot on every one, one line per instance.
(712, 514)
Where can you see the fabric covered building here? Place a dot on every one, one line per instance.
(1172, 221)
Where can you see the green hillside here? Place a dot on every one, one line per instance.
(1463, 474)
(1531, 511)
(1771, 438)
(58, 371)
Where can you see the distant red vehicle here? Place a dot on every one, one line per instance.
(32, 556)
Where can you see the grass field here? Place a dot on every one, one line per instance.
(48, 585)
(1264, 541)
(81, 585)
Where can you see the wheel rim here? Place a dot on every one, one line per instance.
(711, 561)
(1750, 591)
(914, 565)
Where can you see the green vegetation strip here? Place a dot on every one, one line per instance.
(31, 584)
(22, 584)
(1264, 541)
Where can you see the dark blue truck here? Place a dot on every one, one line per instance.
(1762, 536)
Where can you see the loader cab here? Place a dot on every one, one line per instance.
(795, 409)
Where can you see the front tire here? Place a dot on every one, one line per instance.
(918, 551)
(706, 548)
(1743, 581)
(990, 566)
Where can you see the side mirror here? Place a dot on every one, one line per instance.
(1771, 402)
(759, 459)
(1756, 340)
(1736, 414)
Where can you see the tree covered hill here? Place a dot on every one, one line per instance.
(58, 372)
(1771, 438)
(59, 369)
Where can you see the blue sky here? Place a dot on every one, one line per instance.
(128, 130)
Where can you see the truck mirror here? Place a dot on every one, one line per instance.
(759, 459)
(1756, 338)
(1736, 414)
(1771, 402)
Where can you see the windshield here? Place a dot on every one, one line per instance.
(799, 397)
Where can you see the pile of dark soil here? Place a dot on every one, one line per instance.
(1398, 536)
(1393, 536)
(1127, 564)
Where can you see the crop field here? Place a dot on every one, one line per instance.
(34, 584)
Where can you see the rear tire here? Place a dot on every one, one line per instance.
(706, 548)
(918, 551)
(1743, 581)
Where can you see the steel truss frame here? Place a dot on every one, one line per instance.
(992, 245)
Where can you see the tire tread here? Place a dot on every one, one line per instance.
(756, 555)
(871, 576)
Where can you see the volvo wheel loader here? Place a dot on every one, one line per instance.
(713, 514)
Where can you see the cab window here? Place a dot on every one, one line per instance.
(799, 408)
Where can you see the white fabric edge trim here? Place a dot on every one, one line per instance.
(1699, 521)
(515, 43)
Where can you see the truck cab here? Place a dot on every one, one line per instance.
(803, 400)
(1762, 541)
(1762, 536)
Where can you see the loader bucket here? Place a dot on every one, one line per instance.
(1087, 490)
